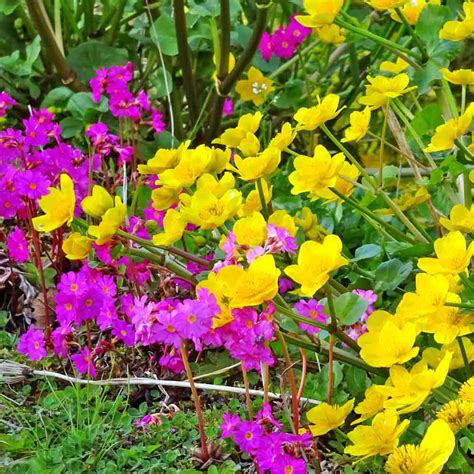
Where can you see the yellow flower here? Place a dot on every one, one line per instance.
(387, 341)
(173, 224)
(232, 137)
(320, 12)
(381, 89)
(466, 391)
(255, 88)
(407, 390)
(58, 206)
(432, 292)
(316, 173)
(282, 219)
(164, 159)
(394, 67)
(371, 405)
(164, 197)
(458, 414)
(407, 200)
(460, 218)
(452, 255)
(385, 4)
(284, 138)
(379, 438)
(208, 211)
(217, 187)
(325, 418)
(427, 458)
(98, 203)
(309, 224)
(218, 161)
(255, 167)
(460, 76)
(433, 356)
(251, 230)
(252, 201)
(235, 287)
(315, 261)
(109, 223)
(459, 30)
(77, 246)
(345, 179)
(311, 118)
(330, 34)
(411, 10)
(359, 125)
(446, 134)
(448, 324)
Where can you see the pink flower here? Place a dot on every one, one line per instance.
(283, 44)
(228, 107)
(17, 246)
(5, 102)
(248, 435)
(32, 344)
(83, 362)
(157, 121)
(297, 31)
(124, 331)
(266, 46)
(231, 421)
(32, 184)
(59, 338)
(311, 309)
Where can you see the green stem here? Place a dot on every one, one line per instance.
(288, 64)
(382, 143)
(463, 98)
(261, 195)
(114, 27)
(464, 149)
(415, 37)
(465, 358)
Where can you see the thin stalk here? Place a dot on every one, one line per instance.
(467, 188)
(247, 392)
(303, 373)
(291, 377)
(463, 98)
(288, 64)
(114, 27)
(382, 143)
(331, 366)
(197, 404)
(465, 358)
(464, 149)
(262, 199)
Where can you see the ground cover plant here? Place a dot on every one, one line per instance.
(236, 236)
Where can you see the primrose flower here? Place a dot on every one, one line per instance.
(311, 118)
(460, 218)
(208, 211)
(426, 458)
(77, 246)
(381, 89)
(5, 102)
(315, 173)
(379, 438)
(32, 344)
(84, 363)
(458, 414)
(228, 107)
(459, 30)
(17, 246)
(97, 204)
(387, 341)
(255, 88)
(58, 206)
(452, 255)
(315, 261)
(325, 418)
(446, 134)
(32, 184)
(110, 222)
(320, 12)
(359, 125)
(311, 309)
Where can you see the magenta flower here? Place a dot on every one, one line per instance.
(166, 331)
(32, 184)
(124, 331)
(371, 298)
(17, 246)
(311, 309)
(297, 31)
(284, 285)
(279, 240)
(284, 463)
(172, 362)
(228, 107)
(266, 46)
(59, 339)
(107, 317)
(283, 44)
(231, 421)
(248, 436)
(5, 102)
(83, 362)
(157, 121)
(32, 344)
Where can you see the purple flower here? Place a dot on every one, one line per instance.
(124, 331)
(32, 344)
(286, 464)
(266, 46)
(284, 285)
(83, 362)
(72, 283)
(32, 184)
(107, 316)
(98, 83)
(231, 421)
(17, 246)
(248, 436)
(157, 121)
(279, 240)
(311, 309)
(59, 339)
(66, 308)
(371, 298)
(166, 331)
(283, 44)
(228, 107)
(297, 31)
(172, 362)
(5, 102)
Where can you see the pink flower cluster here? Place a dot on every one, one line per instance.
(113, 82)
(272, 450)
(6, 101)
(284, 40)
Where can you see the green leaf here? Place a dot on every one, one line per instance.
(86, 58)
(367, 251)
(80, 103)
(390, 274)
(70, 127)
(348, 307)
(7, 7)
(164, 33)
(158, 80)
(357, 380)
(57, 97)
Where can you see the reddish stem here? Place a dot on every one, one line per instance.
(330, 378)
(247, 393)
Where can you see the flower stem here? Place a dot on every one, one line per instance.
(262, 199)
(247, 392)
(197, 404)
(465, 358)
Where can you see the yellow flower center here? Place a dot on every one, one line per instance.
(192, 318)
(170, 328)
(32, 186)
(248, 435)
